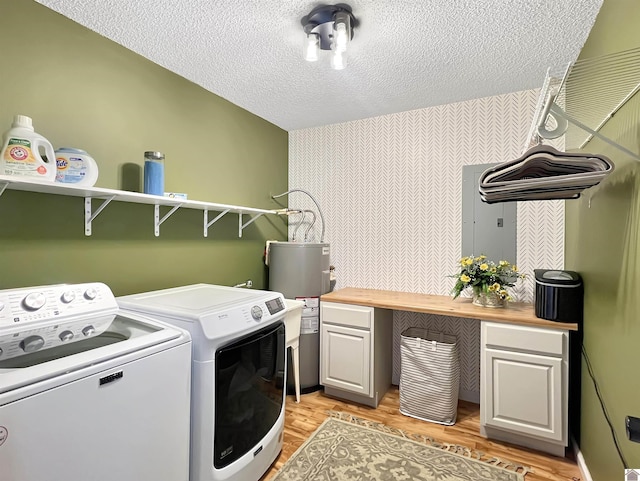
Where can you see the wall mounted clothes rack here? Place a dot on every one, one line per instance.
(587, 94)
(577, 103)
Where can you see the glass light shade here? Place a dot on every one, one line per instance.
(338, 60)
(341, 31)
(311, 47)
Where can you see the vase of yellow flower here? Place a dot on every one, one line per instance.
(488, 299)
(487, 279)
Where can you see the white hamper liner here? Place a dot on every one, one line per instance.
(429, 375)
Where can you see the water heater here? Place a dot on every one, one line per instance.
(301, 271)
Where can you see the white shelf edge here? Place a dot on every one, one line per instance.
(13, 183)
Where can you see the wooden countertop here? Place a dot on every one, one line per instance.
(514, 313)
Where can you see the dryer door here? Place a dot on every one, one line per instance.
(249, 392)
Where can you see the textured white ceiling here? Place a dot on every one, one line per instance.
(405, 54)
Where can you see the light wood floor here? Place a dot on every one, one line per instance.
(302, 419)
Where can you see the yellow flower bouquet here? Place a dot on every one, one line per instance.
(485, 277)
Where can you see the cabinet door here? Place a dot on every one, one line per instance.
(523, 393)
(346, 358)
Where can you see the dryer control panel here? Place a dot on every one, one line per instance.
(42, 317)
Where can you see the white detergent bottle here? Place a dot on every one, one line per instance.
(20, 155)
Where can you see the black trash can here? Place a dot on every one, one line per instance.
(559, 295)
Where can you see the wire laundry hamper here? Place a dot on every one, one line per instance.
(429, 375)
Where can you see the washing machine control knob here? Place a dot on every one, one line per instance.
(256, 312)
(87, 331)
(66, 336)
(68, 296)
(90, 293)
(34, 301)
(32, 343)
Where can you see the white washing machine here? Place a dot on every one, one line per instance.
(239, 374)
(87, 392)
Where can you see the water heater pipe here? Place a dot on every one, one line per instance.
(295, 231)
(313, 221)
(314, 201)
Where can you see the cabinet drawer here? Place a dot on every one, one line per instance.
(346, 315)
(524, 338)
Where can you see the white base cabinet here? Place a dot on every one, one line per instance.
(524, 386)
(346, 358)
(355, 352)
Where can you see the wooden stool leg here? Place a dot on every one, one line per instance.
(295, 356)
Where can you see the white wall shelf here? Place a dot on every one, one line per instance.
(108, 195)
(603, 85)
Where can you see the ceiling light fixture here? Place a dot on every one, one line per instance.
(329, 27)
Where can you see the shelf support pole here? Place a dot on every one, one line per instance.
(613, 112)
(208, 224)
(557, 110)
(89, 216)
(157, 221)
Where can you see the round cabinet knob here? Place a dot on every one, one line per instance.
(1, 351)
(68, 297)
(90, 293)
(32, 343)
(256, 312)
(66, 336)
(87, 331)
(34, 301)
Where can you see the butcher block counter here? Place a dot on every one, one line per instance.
(515, 313)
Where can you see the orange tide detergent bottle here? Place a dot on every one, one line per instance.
(20, 155)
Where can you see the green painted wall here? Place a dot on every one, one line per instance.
(603, 243)
(85, 91)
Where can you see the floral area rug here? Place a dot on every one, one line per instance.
(347, 448)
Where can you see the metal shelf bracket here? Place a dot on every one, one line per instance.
(3, 186)
(157, 221)
(556, 110)
(588, 93)
(208, 224)
(90, 216)
(241, 226)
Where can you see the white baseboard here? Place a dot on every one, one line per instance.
(586, 475)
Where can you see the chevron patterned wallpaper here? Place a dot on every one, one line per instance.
(390, 191)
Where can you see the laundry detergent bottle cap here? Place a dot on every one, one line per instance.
(22, 122)
(20, 155)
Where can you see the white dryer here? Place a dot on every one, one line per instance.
(89, 393)
(239, 374)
